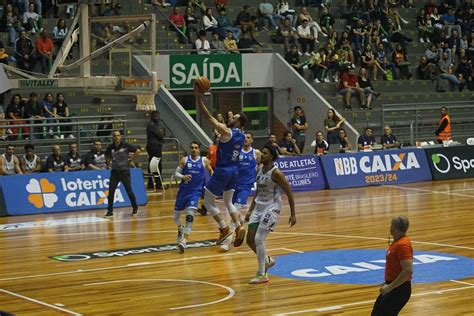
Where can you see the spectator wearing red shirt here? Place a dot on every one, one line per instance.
(44, 50)
(220, 4)
(396, 290)
(349, 87)
(177, 19)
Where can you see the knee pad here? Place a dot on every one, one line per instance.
(210, 203)
(189, 215)
(227, 197)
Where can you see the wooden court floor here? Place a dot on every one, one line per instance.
(205, 281)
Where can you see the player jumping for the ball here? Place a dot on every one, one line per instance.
(265, 210)
(222, 182)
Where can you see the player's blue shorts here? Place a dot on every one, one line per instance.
(241, 195)
(187, 199)
(223, 179)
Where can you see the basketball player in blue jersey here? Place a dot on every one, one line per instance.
(249, 158)
(191, 171)
(222, 182)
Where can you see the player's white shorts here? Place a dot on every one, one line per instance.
(266, 215)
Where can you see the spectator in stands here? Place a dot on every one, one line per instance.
(32, 110)
(55, 162)
(332, 124)
(95, 158)
(299, 127)
(326, 21)
(32, 20)
(25, 53)
(161, 3)
(30, 162)
(321, 146)
(229, 116)
(61, 113)
(464, 70)
(155, 133)
(47, 108)
(288, 145)
(220, 4)
(192, 23)
(450, 22)
(44, 51)
(424, 26)
(73, 159)
(285, 34)
(14, 115)
(197, 7)
(292, 57)
(431, 54)
(209, 22)
(202, 44)
(368, 61)
(177, 19)
(446, 70)
(367, 140)
(272, 141)
(283, 9)
(383, 61)
(9, 163)
(217, 44)
(247, 22)
(11, 22)
(60, 31)
(443, 132)
(225, 26)
(343, 141)
(266, 12)
(306, 39)
(349, 87)
(400, 59)
(230, 44)
(426, 70)
(345, 48)
(364, 83)
(394, 33)
(454, 43)
(388, 140)
(360, 36)
(245, 43)
(314, 26)
(4, 58)
(319, 64)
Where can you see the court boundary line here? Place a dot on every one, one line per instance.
(40, 302)
(427, 191)
(341, 306)
(230, 291)
(462, 282)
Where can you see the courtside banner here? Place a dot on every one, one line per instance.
(65, 191)
(304, 173)
(375, 168)
(451, 162)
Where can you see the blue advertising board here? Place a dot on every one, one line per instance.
(303, 173)
(376, 168)
(65, 191)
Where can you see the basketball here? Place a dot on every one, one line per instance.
(203, 84)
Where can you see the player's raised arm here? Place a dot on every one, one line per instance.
(221, 128)
(279, 178)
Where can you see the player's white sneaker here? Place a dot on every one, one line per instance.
(182, 245)
(227, 243)
(259, 279)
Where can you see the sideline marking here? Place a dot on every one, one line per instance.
(371, 238)
(462, 282)
(229, 290)
(40, 302)
(426, 190)
(53, 223)
(130, 266)
(292, 250)
(334, 307)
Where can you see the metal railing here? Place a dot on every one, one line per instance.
(418, 121)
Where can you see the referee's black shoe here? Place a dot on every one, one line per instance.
(135, 212)
(109, 214)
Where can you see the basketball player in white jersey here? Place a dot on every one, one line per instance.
(265, 210)
(9, 163)
(30, 162)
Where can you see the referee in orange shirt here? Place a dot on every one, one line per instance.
(396, 290)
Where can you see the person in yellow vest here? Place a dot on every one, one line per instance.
(444, 126)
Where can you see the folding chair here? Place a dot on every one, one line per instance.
(155, 172)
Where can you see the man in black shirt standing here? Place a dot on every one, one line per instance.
(118, 157)
(155, 132)
(299, 126)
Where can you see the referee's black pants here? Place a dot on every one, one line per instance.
(392, 303)
(123, 176)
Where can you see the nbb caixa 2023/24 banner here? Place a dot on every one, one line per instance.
(303, 173)
(376, 168)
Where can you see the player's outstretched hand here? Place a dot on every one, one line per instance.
(292, 220)
(196, 91)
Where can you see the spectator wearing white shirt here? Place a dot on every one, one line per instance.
(209, 22)
(306, 38)
(59, 33)
(31, 19)
(202, 44)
